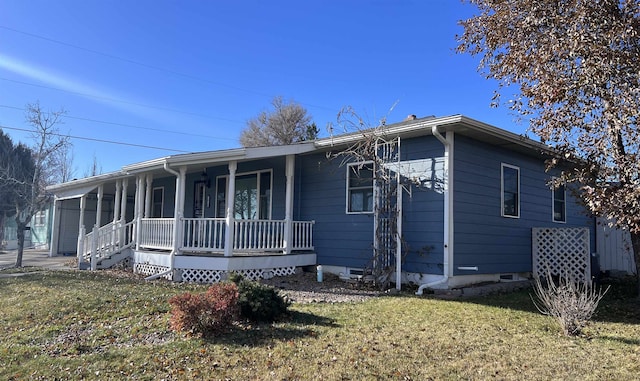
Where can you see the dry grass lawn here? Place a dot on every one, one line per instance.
(83, 325)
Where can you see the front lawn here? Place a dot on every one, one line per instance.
(83, 325)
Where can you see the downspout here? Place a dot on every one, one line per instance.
(175, 227)
(447, 211)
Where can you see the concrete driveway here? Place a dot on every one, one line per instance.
(37, 258)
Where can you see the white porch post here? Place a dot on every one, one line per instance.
(147, 196)
(99, 205)
(55, 228)
(116, 238)
(94, 249)
(230, 221)
(116, 202)
(179, 210)
(288, 219)
(123, 201)
(138, 209)
(81, 231)
(122, 217)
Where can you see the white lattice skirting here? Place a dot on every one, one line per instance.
(147, 269)
(214, 276)
(562, 252)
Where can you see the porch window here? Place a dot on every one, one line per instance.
(360, 188)
(252, 196)
(221, 197)
(157, 210)
(510, 191)
(559, 204)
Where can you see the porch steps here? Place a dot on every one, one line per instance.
(107, 261)
(113, 259)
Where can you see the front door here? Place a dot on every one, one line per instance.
(199, 198)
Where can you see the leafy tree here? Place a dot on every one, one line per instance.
(288, 123)
(575, 68)
(25, 172)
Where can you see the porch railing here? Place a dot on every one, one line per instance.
(259, 235)
(107, 240)
(208, 235)
(302, 235)
(156, 233)
(203, 234)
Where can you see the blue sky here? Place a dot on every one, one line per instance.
(186, 75)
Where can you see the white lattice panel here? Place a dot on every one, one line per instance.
(252, 274)
(148, 269)
(562, 252)
(284, 271)
(201, 276)
(214, 276)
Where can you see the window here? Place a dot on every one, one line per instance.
(252, 196)
(510, 191)
(39, 218)
(157, 210)
(360, 188)
(199, 198)
(221, 197)
(559, 204)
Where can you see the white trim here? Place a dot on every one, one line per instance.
(347, 187)
(502, 167)
(69, 194)
(564, 204)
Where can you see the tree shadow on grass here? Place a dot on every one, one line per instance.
(622, 340)
(296, 326)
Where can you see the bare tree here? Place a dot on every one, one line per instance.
(575, 66)
(64, 169)
(29, 170)
(376, 153)
(288, 123)
(94, 168)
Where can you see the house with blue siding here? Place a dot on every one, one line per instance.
(472, 195)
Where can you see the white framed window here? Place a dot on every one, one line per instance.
(39, 218)
(559, 203)
(252, 195)
(360, 188)
(157, 209)
(510, 191)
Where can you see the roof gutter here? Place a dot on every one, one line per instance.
(448, 169)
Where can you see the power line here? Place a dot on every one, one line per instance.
(128, 125)
(158, 68)
(98, 140)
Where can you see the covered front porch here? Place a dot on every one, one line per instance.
(181, 242)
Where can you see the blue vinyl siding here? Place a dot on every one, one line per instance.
(343, 239)
(482, 237)
(423, 210)
(340, 239)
